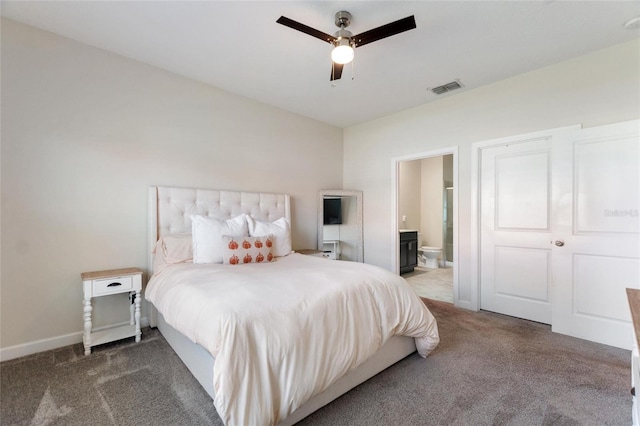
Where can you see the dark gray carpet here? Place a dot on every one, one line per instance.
(123, 383)
(489, 369)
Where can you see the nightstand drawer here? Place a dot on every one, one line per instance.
(112, 285)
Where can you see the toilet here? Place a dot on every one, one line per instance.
(430, 255)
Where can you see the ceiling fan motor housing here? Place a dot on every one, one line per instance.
(343, 34)
(344, 37)
(343, 19)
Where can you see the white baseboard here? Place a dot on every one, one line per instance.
(465, 304)
(30, 348)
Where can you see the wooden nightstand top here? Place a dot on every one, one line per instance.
(110, 273)
(308, 251)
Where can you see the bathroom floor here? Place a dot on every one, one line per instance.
(432, 283)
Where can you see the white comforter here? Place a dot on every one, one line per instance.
(283, 332)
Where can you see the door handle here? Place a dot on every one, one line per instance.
(559, 243)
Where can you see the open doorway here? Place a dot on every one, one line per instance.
(425, 223)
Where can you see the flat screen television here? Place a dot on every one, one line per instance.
(332, 211)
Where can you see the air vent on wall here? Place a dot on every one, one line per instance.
(447, 87)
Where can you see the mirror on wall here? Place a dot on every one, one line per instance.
(340, 235)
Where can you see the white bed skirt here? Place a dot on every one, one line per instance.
(200, 363)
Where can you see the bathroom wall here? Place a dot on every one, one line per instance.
(409, 204)
(431, 201)
(420, 196)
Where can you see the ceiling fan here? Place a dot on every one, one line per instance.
(344, 41)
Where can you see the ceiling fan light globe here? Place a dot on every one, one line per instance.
(342, 54)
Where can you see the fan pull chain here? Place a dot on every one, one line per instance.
(333, 74)
(352, 69)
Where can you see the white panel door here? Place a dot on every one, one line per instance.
(515, 256)
(597, 229)
(560, 229)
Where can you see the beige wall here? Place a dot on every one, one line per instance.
(594, 89)
(409, 188)
(85, 133)
(431, 201)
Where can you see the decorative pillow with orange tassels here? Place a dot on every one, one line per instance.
(240, 250)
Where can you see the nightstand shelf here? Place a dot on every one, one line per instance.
(112, 334)
(106, 283)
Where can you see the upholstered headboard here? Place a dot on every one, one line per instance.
(170, 209)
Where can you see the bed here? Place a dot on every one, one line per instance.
(298, 369)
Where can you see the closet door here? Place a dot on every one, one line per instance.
(596, 250)
(515, 208)
(559, 229)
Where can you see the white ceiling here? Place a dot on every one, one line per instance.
(237, 45)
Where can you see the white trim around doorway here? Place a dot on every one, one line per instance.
(395, 258)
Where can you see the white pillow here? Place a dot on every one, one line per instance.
(207, 236)
(280, 229)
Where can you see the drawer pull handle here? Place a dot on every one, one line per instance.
(114, 284)
(633, 391)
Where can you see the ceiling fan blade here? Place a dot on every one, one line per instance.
(392, 28)
(306, 29)
(336, 71)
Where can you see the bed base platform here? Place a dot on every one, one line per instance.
(200, 363)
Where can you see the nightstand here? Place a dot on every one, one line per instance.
(105, 283)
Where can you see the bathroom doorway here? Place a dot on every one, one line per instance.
(425, 205)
